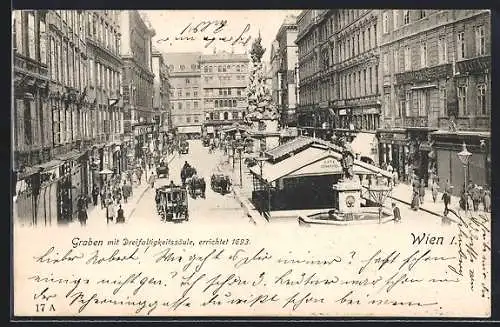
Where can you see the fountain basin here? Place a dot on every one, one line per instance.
(334, 217)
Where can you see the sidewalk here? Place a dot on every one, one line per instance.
(403, 193)
(242, 193)
(96, 214)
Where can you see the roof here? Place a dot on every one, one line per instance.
(182, 58)
(312, 161)
(297, 144)
(224, 57)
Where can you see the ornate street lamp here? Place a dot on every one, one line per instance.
(464, 157)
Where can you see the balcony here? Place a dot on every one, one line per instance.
(416, 122)
(425, 75)
(474, 65)
(29, 65)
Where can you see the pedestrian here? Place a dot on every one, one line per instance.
(446, 199)
(476, 197)
(415, 196)
(125, 192)
(82, 209)
(103, 197)
(95, 194)
(152, 179)
(120, 218)
(470, 202)
(396, 212)
(395, 177)
(110, 211)
(139, 174)
(434, 190)
(446, 220)
(421, 191)
(487, 200)
(407, 173)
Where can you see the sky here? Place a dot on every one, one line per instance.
(233, 30)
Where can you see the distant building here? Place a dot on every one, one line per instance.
(436, 68)
(284, 66)
(224, 78)
(186, 109)
(161, 102)
(137, 76)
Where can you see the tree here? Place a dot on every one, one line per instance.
(260, 104)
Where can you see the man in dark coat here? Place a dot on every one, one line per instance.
(95, 194)
(476, 197)
(120, 218)
(396, 213)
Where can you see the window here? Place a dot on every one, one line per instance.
(188, 105)
(395, 19)
(188, 94)
(443, 102)
(31, 35)
(216, 103)
(407, 58)
(423, 102)
(193, 67)
(195, 94)
(188, 81)
(179, 105)
(462, 100)
(481, 98)
(442, 50)
(43, 41)
(195, 105)
(423, 55)
(369, 38)
(188, 119)
(385, 22)
(396, 60)
(460, 45)
(182, 67)
(196, 119)
(179, 93)
(480, 42)
(238, 92)
(371, 81)
(408, 104)
(387, 105)
(421, 14)
(406, 17)
(386, 63)
(234, 103)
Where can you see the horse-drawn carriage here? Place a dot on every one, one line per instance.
(197, 186)
(162, 169)
(187, 171)
(206, 141)
(220, 183)
(184, 147)
(172, 203)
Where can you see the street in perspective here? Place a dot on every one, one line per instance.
(295, 118)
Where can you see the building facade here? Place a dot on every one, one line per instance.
(161, 102)
(284, 66)
(436, 75)
(105, 121)
(339, 75)
(186, 108)
(137, 77)
(224, 78)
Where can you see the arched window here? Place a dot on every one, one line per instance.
(211, 116)
(226, 115)
(216, 103)
(234, 103)
(225, 103)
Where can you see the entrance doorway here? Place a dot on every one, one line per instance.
(308, 192)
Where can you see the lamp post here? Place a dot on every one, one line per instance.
(464, 157)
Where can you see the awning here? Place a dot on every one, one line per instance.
(426, 86)
(71, 155)
(189, 129)
(50, 164)
(363, 144)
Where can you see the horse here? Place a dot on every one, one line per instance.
(197, 183)
(187, 172)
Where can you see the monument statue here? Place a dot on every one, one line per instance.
(348, 163)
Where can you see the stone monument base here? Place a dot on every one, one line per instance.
(347, 195)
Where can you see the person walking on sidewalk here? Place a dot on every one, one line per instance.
(415, 196)
(120, 218)
(103, 197)
(476, 197)
(110, 211)
(421, 190)
(487, 200)
(82, 209)
(446, 199)
(434, 190)
(152, 180)
(396, 212)
(95, 194)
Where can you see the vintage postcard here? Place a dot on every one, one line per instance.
(247, 163)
